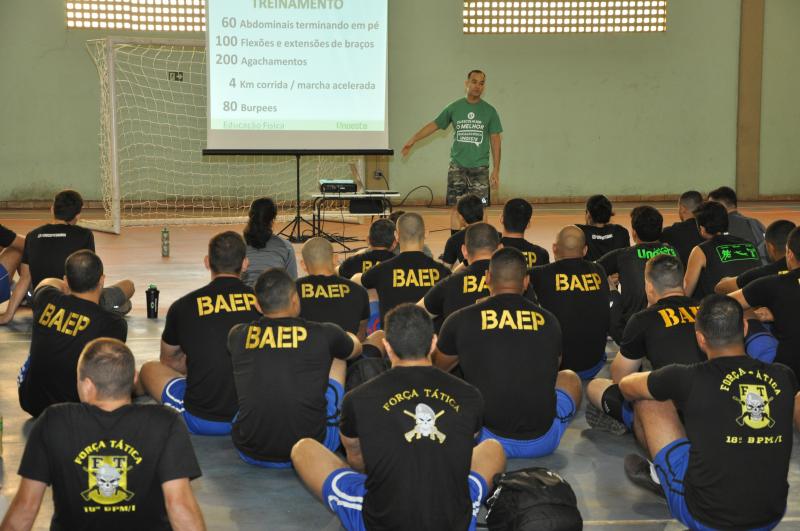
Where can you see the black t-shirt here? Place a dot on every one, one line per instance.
(363, 262)
(405, 278)
(458, 290)
(683, 236)
(452, 248)
(781, 294)
(333, 299)
(738, 415)
(199, 323)
(47, 248)
(107, 467)
(508, 347)
(7, 236)
(773, 268)
(416, 428)
(726, 256)
(281, 367)
(576, 291)
(62, 325)
(602, 240)
(630, 263)
(663, 333)
(534, 254)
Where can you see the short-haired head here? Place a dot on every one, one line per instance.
(409, 331)
(67, 204)
(470, 207)
(571, 242)
(517, 214)
(275, 290)
(721, 321)
(478, 72)
(411, 227)
(777, 234)
(793, 243)
(260, 218)
(725, 195)
(110, 365)
(83, 270)
(691, 200)
(508, 269)
(647, 222)
(665, 273)
(711, 216)
(226, 253)
(481, 237)
(381, 233)
(317, 252)
(599, 208)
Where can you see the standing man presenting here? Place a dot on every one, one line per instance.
(477, 126)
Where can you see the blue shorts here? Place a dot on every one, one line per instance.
(374, 321)
(5, 284)
(761, 346)
(172, 396)
(591, 372)
(671, 463)
(333, 396)
(343, 492)
(545, 444)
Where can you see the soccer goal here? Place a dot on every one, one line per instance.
(152, 132)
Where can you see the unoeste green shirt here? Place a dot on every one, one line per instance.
(473, 124)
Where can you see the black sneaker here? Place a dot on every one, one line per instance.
(637, 468)
(601, 421)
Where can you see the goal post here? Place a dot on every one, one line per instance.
(153, 106)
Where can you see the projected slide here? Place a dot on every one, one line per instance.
(297, 74)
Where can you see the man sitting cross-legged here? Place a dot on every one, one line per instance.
(289, 375)
(727, 469)
(326, 297)
(509, 348)
(663, 334)
(382, 243)
(516, 218)
(470, 211)
(112, 464)
(409, 435)
(194, 375)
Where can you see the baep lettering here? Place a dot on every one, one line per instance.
(472, 285)
(274, 336)
(232, 302)
(67, 323)
(684, 315)
(414, 278)
(518, 320)
(584, 282)
(530, 258)
(333, 291)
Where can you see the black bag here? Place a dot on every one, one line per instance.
(532, 499)
(364, 370)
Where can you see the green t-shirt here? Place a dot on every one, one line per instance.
(473, 124)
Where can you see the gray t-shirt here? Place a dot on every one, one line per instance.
(277, 253)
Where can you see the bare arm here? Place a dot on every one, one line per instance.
(356, 347)
(622, 367)
(726, 285)
(20, 290)
(354, 456)
(444, 361)
(173, 357)
(182, 509)
(738, 296)
(426, 131)
(634, 387)
(25, 506)
(362, 330)
(797, 410)
(18, 243)
(376, 340)
(695, 265)
(357, 278)
(494, 178)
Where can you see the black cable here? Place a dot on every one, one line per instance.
(414, 190)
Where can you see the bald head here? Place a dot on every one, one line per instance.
(570, 243)
(318, 255)
(410, 228)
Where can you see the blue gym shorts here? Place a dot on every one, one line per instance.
(591, 372)
(5, 284)
(343, 492)
(671, 463)
(543, 445)
(172, 396)
(333, 396)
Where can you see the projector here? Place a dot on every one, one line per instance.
(337, 186)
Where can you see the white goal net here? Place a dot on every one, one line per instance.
(152, 133)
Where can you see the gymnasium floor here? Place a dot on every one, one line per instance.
(234, 495)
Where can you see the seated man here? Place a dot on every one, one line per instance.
(776, 237)
(739, 225)
(509, 348)
(470, 210)
(629, 263)
(381, 246)
(194, 375)
(576, 291)
(12, 246)
(683, 235)
(412, 463)
(326, 297)
(720, 255)
(65, 318)
(289, 375)
(737, 414)
(516, 218)
(408, 276)
(71, 447)
(663, 334)
(46, 249)
(602, 236)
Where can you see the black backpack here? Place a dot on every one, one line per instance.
(532, 499)
(364, 370)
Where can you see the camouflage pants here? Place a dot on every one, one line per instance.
(461, 181)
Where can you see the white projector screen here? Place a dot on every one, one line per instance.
(297, 75)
